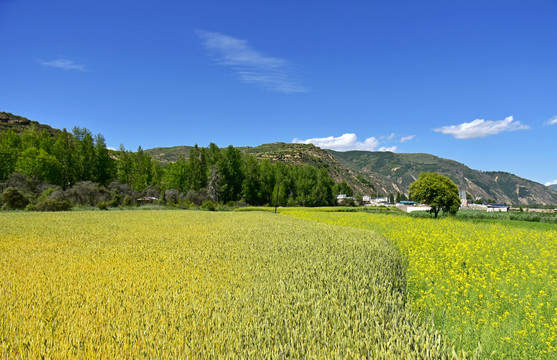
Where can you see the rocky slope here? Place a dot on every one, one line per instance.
(18, 124)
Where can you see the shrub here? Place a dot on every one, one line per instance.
(116, 199)
(127, 201)
(87, 193)
(208, 205)
(13, 199)
(172, 196)
(197, 197)
(50, 205)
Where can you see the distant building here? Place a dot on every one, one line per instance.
(343, 199)
(497, 208)
(417, 208)
(381, 200)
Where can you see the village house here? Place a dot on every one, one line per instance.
(497, 208)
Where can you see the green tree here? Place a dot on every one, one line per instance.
(65, 151)
(85, 154)
(343, 188)
(10, 144)
(176, 175)
(125, 166)
(197, 167)
(323, 191)
(104, 165)
(231, 169)
(251, 185)
(437, 191)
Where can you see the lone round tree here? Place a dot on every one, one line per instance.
(437, 191)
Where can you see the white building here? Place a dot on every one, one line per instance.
(497, 208)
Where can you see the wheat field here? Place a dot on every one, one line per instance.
(187, 284)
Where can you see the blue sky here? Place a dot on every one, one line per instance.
(473, 81)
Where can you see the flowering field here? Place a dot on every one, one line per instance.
(488, 287)
(185, 284)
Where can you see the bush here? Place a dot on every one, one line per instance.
(172, 197)
(127, 201)
(102, 205)
(13, 199)
(120, 190)
(50, 205)
(197, 197)
(116, 199)
(208, 205)
(20, 181)
(87, 193)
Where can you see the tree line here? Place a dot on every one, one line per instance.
(45, 172)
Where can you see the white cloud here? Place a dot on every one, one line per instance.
(389, 137)
(552, 121)
(387, 148)
(346, 142)
(64, 64)
(554, 182)
(481, 128)
(407, 138)
(250, 65)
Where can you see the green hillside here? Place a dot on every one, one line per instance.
(383, 173)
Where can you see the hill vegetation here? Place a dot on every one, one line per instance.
(366, 173)
(385, 173)
(42, 171)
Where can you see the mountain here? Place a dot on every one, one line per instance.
(18, 124)
(165, 155)
(388, 172)
(400, 170)
(554, 186)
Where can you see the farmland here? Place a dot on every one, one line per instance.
(306, 283)
(486, 286)
(187, 284)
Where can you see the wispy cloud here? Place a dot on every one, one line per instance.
(64, 64)
(481, 128)
(407, 138)
(250, 65)
(346, 142)
(552, 121)
(554, 182)
(388, 137)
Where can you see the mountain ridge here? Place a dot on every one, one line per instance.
(18, 124)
